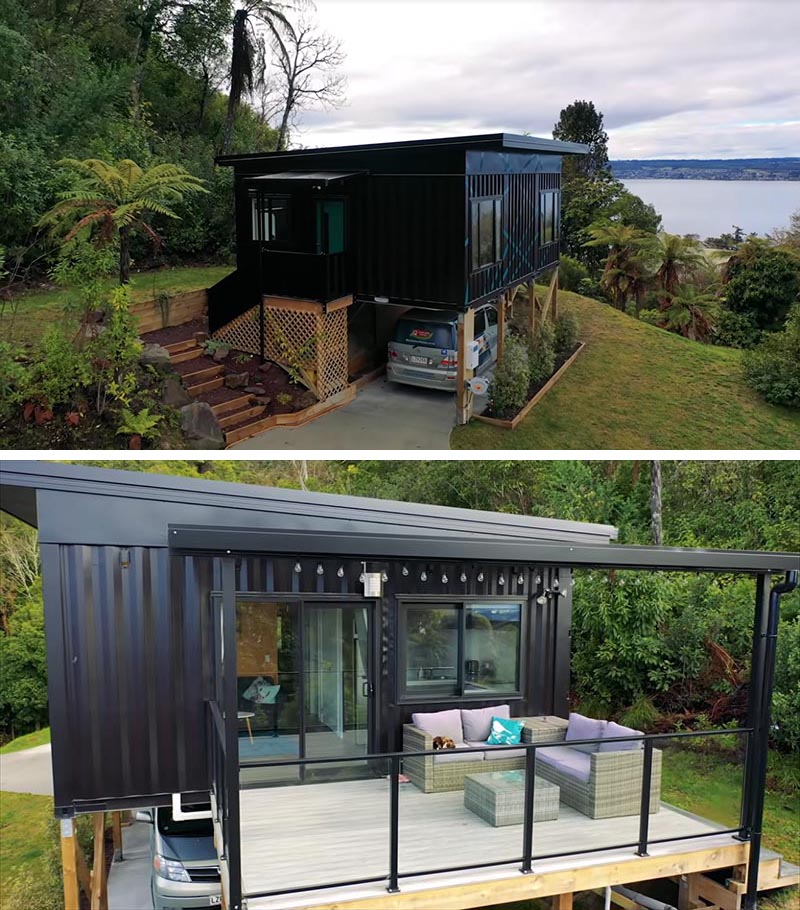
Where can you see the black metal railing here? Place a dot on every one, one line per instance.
(525, 858)
(313, 276)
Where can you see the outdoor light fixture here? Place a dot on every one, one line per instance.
(480, 576)
(340, 571)
(384, 575)
(404, 570)
(298, 568)
(361, 578)
(520, 578)
(463, 577)
(423, 575)
(541, 600)
(444, 578)
(320, 570)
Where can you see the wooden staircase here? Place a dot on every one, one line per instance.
(701, 891)
(237, 412)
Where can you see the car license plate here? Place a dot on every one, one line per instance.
(215, 900)
(415, 358)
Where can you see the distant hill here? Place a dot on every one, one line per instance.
(709, 169)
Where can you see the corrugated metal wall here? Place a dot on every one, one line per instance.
(129, 651)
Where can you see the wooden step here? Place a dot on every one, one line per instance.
(237, 417)
(203, 374)
(209, 385)
(246, 431)
(789, 876)
(178, 346)
(232, 405)
(184, 356)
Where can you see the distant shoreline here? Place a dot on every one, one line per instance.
(707, 169)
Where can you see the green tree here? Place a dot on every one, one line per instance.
(762, 282)
(691, 313)
(679, 257)
(772, 368)
(582, 122)
(625, 271)
(117, 198)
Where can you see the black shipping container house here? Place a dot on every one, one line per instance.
(172, 603)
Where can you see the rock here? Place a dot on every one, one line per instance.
(263, 400)
(174, 394)
(255, 389)
(267, 367)
(156, 356)
(237, 380)
(221, 353)
(200, 425)
(306, 400)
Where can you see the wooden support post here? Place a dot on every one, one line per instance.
(534, 303)
(687, 891)
(99, 896)
(466, 334)
(562, 901)
(116, 831)
(551, 306)
(501, 327)
(69, 867)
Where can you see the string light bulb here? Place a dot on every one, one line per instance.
(320, 570)
(463, 577)
(298, 568)
(404, 570)
(384, 575)
(340, 571)
(361, 578)
(541, 600)
(480, 576)
(501, 580)
(423, 575)
(444, 578)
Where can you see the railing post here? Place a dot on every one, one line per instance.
(644, 814)
(527, 825)
(394, 824)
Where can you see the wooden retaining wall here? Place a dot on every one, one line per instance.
(180, 308)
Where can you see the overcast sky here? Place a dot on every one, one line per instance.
(673, 79)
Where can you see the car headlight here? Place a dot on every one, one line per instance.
(170, 869)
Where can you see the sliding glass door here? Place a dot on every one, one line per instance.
(304, 674)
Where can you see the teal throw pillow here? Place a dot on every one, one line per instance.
(505, 732)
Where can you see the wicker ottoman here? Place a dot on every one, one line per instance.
(499, 796)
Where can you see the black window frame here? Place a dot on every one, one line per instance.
(403, 697)
(553, 198)
(474, 231)
(261, 205)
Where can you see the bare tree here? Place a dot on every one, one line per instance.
(655, 503)
(307, 64)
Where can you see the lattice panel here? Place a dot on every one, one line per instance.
(307, 342)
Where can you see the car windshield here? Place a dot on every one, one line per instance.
(199, 827)
(426, 334)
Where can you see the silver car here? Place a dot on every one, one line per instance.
(424, 348)
(185, 866)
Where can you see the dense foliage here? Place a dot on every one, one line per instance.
(773, 367)
(762, 283)
(509, 387)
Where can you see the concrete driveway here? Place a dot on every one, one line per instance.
(384, 415)
(28, 771)
(129, 877)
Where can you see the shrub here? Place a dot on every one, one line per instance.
(541, 352)
(763, 282)
(61, 370)
(773, 367)
(736, 330)
(642, 715)
(786, 699)
(509, 388)
(570, 273)
(13, 380)
(565, 331)
(651, 317)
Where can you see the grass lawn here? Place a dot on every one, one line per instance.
(28, 741)
(38, 309)
(23, 835)
(639, 387)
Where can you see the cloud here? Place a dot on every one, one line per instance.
(671, 78)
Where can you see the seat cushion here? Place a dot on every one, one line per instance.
(440, 723)
(613, 730)
(567, 760)
(495, 753)
(581, 727)
(477, 722)
(451, 755)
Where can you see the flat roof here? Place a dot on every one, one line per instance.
(480, 142)
(308, 176)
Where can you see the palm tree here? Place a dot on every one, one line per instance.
(117, 197)
(679, 258)
(625, 271)
(691, 313)
(247, 52)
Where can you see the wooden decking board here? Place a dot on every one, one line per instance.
(316, 834)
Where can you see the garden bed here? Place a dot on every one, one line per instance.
(535, 393)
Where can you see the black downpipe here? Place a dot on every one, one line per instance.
(760, 743)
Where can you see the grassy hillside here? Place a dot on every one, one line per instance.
(37, 310)
(639, 387)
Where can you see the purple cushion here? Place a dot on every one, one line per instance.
(440, 723)
(451, 755)
(581, 727)
(477, 722)
(494, 753)
(567, 761)
(613, 730)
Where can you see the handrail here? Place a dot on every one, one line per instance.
(525, 860)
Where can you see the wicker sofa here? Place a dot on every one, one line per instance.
(440, 773)
(602, 781)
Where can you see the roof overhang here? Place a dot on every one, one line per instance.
(312, 178)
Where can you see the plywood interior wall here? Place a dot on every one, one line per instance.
(257, 640)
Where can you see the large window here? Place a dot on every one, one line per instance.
(270, 216)
(459, 650)
(549, 212)
(486, 218)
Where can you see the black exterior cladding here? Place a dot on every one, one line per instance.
(128, 619)
(408, 236)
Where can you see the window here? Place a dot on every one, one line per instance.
(330, 226)
(480, 322)
(270, 219)
(491, 316)
(549, 215)
(486, 231)
(459, 650)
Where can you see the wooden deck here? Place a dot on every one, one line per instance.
(312, 835)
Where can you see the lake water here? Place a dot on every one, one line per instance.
(711, 207)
